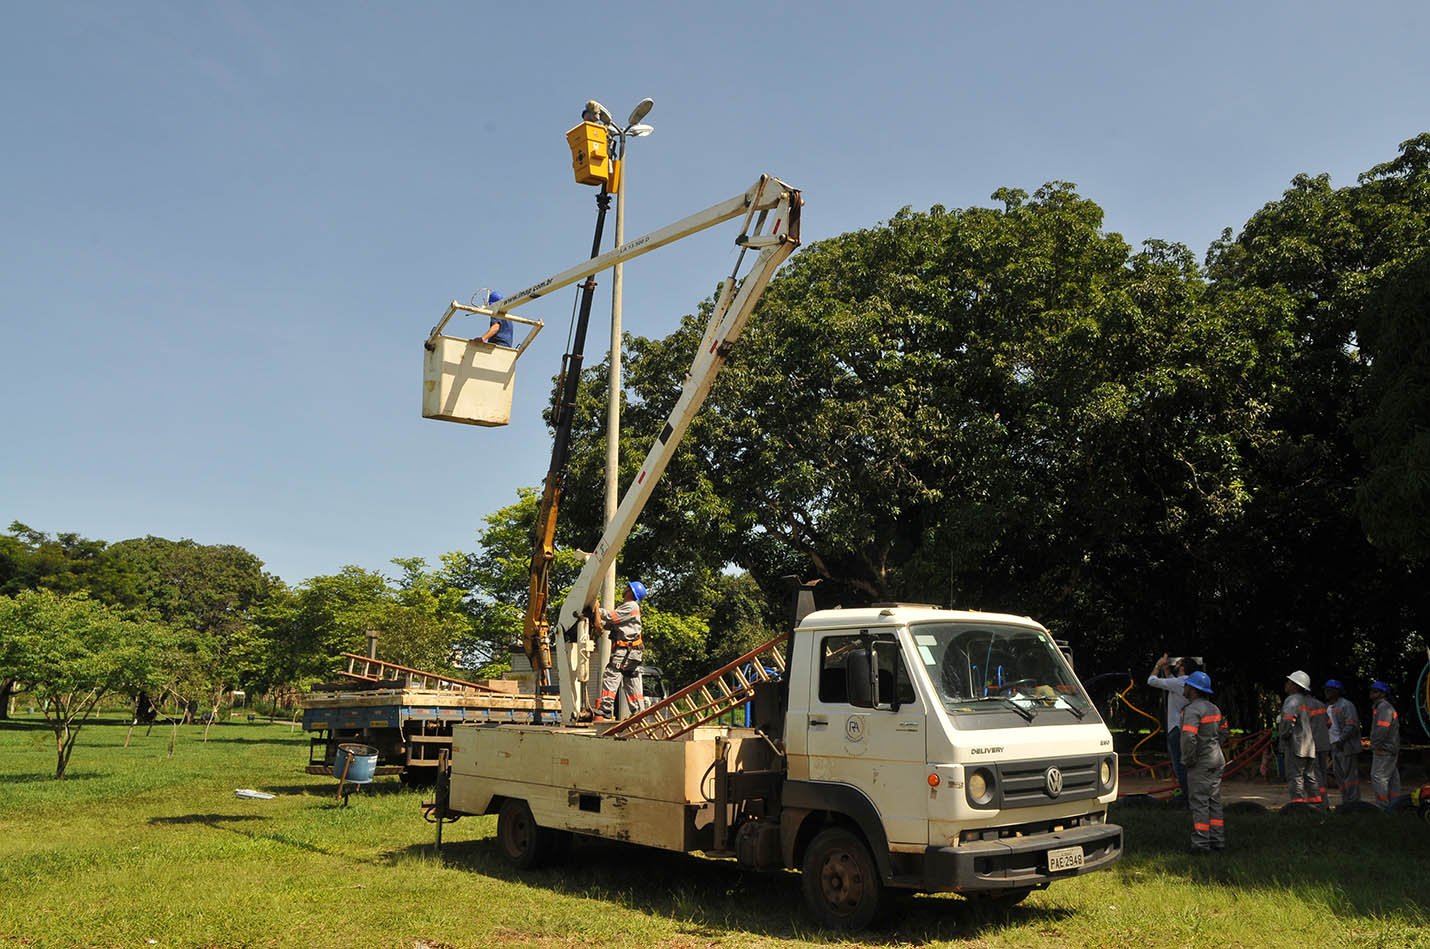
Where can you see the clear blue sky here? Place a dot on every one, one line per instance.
(228, 227)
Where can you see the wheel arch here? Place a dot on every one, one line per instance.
(808, 807)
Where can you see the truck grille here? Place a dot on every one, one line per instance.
(1025, 783)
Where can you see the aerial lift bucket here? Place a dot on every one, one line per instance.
(471, 382)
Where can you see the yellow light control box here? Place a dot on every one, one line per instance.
(590, 154)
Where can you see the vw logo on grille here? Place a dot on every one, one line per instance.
(1053, 780)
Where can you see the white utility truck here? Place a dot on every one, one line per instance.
(900, 747)
(885, 748)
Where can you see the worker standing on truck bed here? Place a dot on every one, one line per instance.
(627, 649)
(1203, 731)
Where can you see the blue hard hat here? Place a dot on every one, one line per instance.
(493, 297)
(1380, 685)
(1200, 681)
(1334, 684)
(637, 589)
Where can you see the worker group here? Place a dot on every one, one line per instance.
(1316, 739)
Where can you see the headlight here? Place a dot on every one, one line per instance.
(980, 787)
(1107, 773)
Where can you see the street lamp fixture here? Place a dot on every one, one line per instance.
(641, 110)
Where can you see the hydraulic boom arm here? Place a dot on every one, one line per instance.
(771, 227)
(771, 211)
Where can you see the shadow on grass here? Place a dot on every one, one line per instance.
(49, 776)
(14, 725)
(1310, 854)
(714, 898)
(298, 740)
(330, 789)
(222, 822)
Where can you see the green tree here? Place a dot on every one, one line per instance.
(1394, 432)
(497, 580)
(213, 590)
(31, 559)
(1004, 408)
(1332, 261)
(71, 652)
(420, 619)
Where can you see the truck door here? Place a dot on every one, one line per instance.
(877, 750)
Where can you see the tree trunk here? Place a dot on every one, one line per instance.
(64, 744)
(7, 688)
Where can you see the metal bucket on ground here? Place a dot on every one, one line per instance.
(355, 764)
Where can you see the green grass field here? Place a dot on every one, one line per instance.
(137, 849)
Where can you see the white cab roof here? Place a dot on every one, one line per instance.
(896, 615)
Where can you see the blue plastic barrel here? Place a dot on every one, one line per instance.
(364, 763)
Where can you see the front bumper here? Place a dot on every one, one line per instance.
(1016, 862)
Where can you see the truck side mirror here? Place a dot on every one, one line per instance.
(860, 681)
(888, 662)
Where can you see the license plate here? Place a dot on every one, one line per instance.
(1064, 858)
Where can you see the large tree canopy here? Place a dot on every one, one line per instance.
(994, 408)
(1010, 408)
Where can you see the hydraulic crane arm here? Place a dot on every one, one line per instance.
(771, 212)
(771, 227)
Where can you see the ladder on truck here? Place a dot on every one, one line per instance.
(368, 669)
(723, 690)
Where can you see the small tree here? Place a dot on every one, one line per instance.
(71, 652)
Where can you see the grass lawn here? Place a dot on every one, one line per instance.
(136, 848)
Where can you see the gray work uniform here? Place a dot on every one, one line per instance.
(624, 625)
(1202, 732)
(1384, 752)
(1321, 738)
(1345, 747)
(1298, 749)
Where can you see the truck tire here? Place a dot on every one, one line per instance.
(842, 886)
(522, 841)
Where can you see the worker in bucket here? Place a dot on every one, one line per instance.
(1298, 742)
(1384, 745)
(1203, 732)
(627, 644)
(499, 331)
(1344, 722)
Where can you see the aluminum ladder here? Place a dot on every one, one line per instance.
(368, 669)
(723, 690)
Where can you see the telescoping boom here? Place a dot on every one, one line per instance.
(771, 229)
(770, 213)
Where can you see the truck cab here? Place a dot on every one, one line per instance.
(959, 745)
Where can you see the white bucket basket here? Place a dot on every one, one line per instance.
(470, 382)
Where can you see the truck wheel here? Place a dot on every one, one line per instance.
(842, 887)
(521, 839)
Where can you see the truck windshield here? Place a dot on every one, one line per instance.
(984, 669)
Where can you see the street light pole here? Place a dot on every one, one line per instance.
(613, 395)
